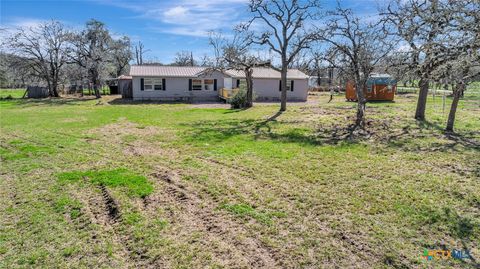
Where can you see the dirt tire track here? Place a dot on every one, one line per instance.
(102, 209)
(202, 216)
(96, 212)
(345, 243)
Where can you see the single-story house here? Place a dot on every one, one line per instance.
(267, 83)
(192, 83)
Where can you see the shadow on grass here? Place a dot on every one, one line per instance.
(466, 140)
(430, 130)
(460, 228)
(122, 101)
(233, 110)
(409, 138)
(220, 130)
(381, 101)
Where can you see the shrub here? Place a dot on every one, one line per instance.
(239, 100)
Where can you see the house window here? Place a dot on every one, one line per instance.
(151, 84)
(208, 84)
(148, 84)
(196, 84)
(289, 84)
(157, 84)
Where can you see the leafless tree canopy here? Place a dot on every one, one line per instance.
(434, 33)
(235, 54)
(184, 58)
(92, 52)
(44, 50)
(140, 52)
(355, 48)
(121, 55)
(286, 30)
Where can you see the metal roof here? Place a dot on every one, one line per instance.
(195, 71)
(262, 72)
(165, 71)
(380, 79)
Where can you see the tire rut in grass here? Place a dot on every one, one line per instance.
(199, 215)
(359, 251)
(96, 212)
(103, 210)
(111, 205)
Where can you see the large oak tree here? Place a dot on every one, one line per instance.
(285, 30)
(43, 49)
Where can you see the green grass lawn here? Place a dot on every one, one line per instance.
(124, 185)
(11, 93)
(18, 93)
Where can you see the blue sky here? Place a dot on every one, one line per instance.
(164, 26)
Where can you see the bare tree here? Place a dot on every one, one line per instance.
(286, 31)
(424, 26)
(466, 66)
(121, 55)
(460, 73)
(91, 51)
(317, 65)
(234, 54)
(355, 49)
(139, 52)
(184, 58)
(302, 61)
(44, 49)
(205, 61)
(15, 72)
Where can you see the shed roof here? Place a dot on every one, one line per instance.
(380, 79)
(124, 77)
(195, 71)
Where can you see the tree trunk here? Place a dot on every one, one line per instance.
(453, 109)
(97, 91)
(248, 76)
(319, 81)
(283, 97)
(55, 84)
(422, 99)
(360, 120)
(54, 91)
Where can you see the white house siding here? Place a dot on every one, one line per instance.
(177, 89)
(268, 90)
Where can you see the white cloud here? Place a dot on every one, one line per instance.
(10, 26)
(176, 14)
(21, 22)
(187, 17)
(14, 23)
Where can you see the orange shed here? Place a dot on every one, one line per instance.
(380, 87)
